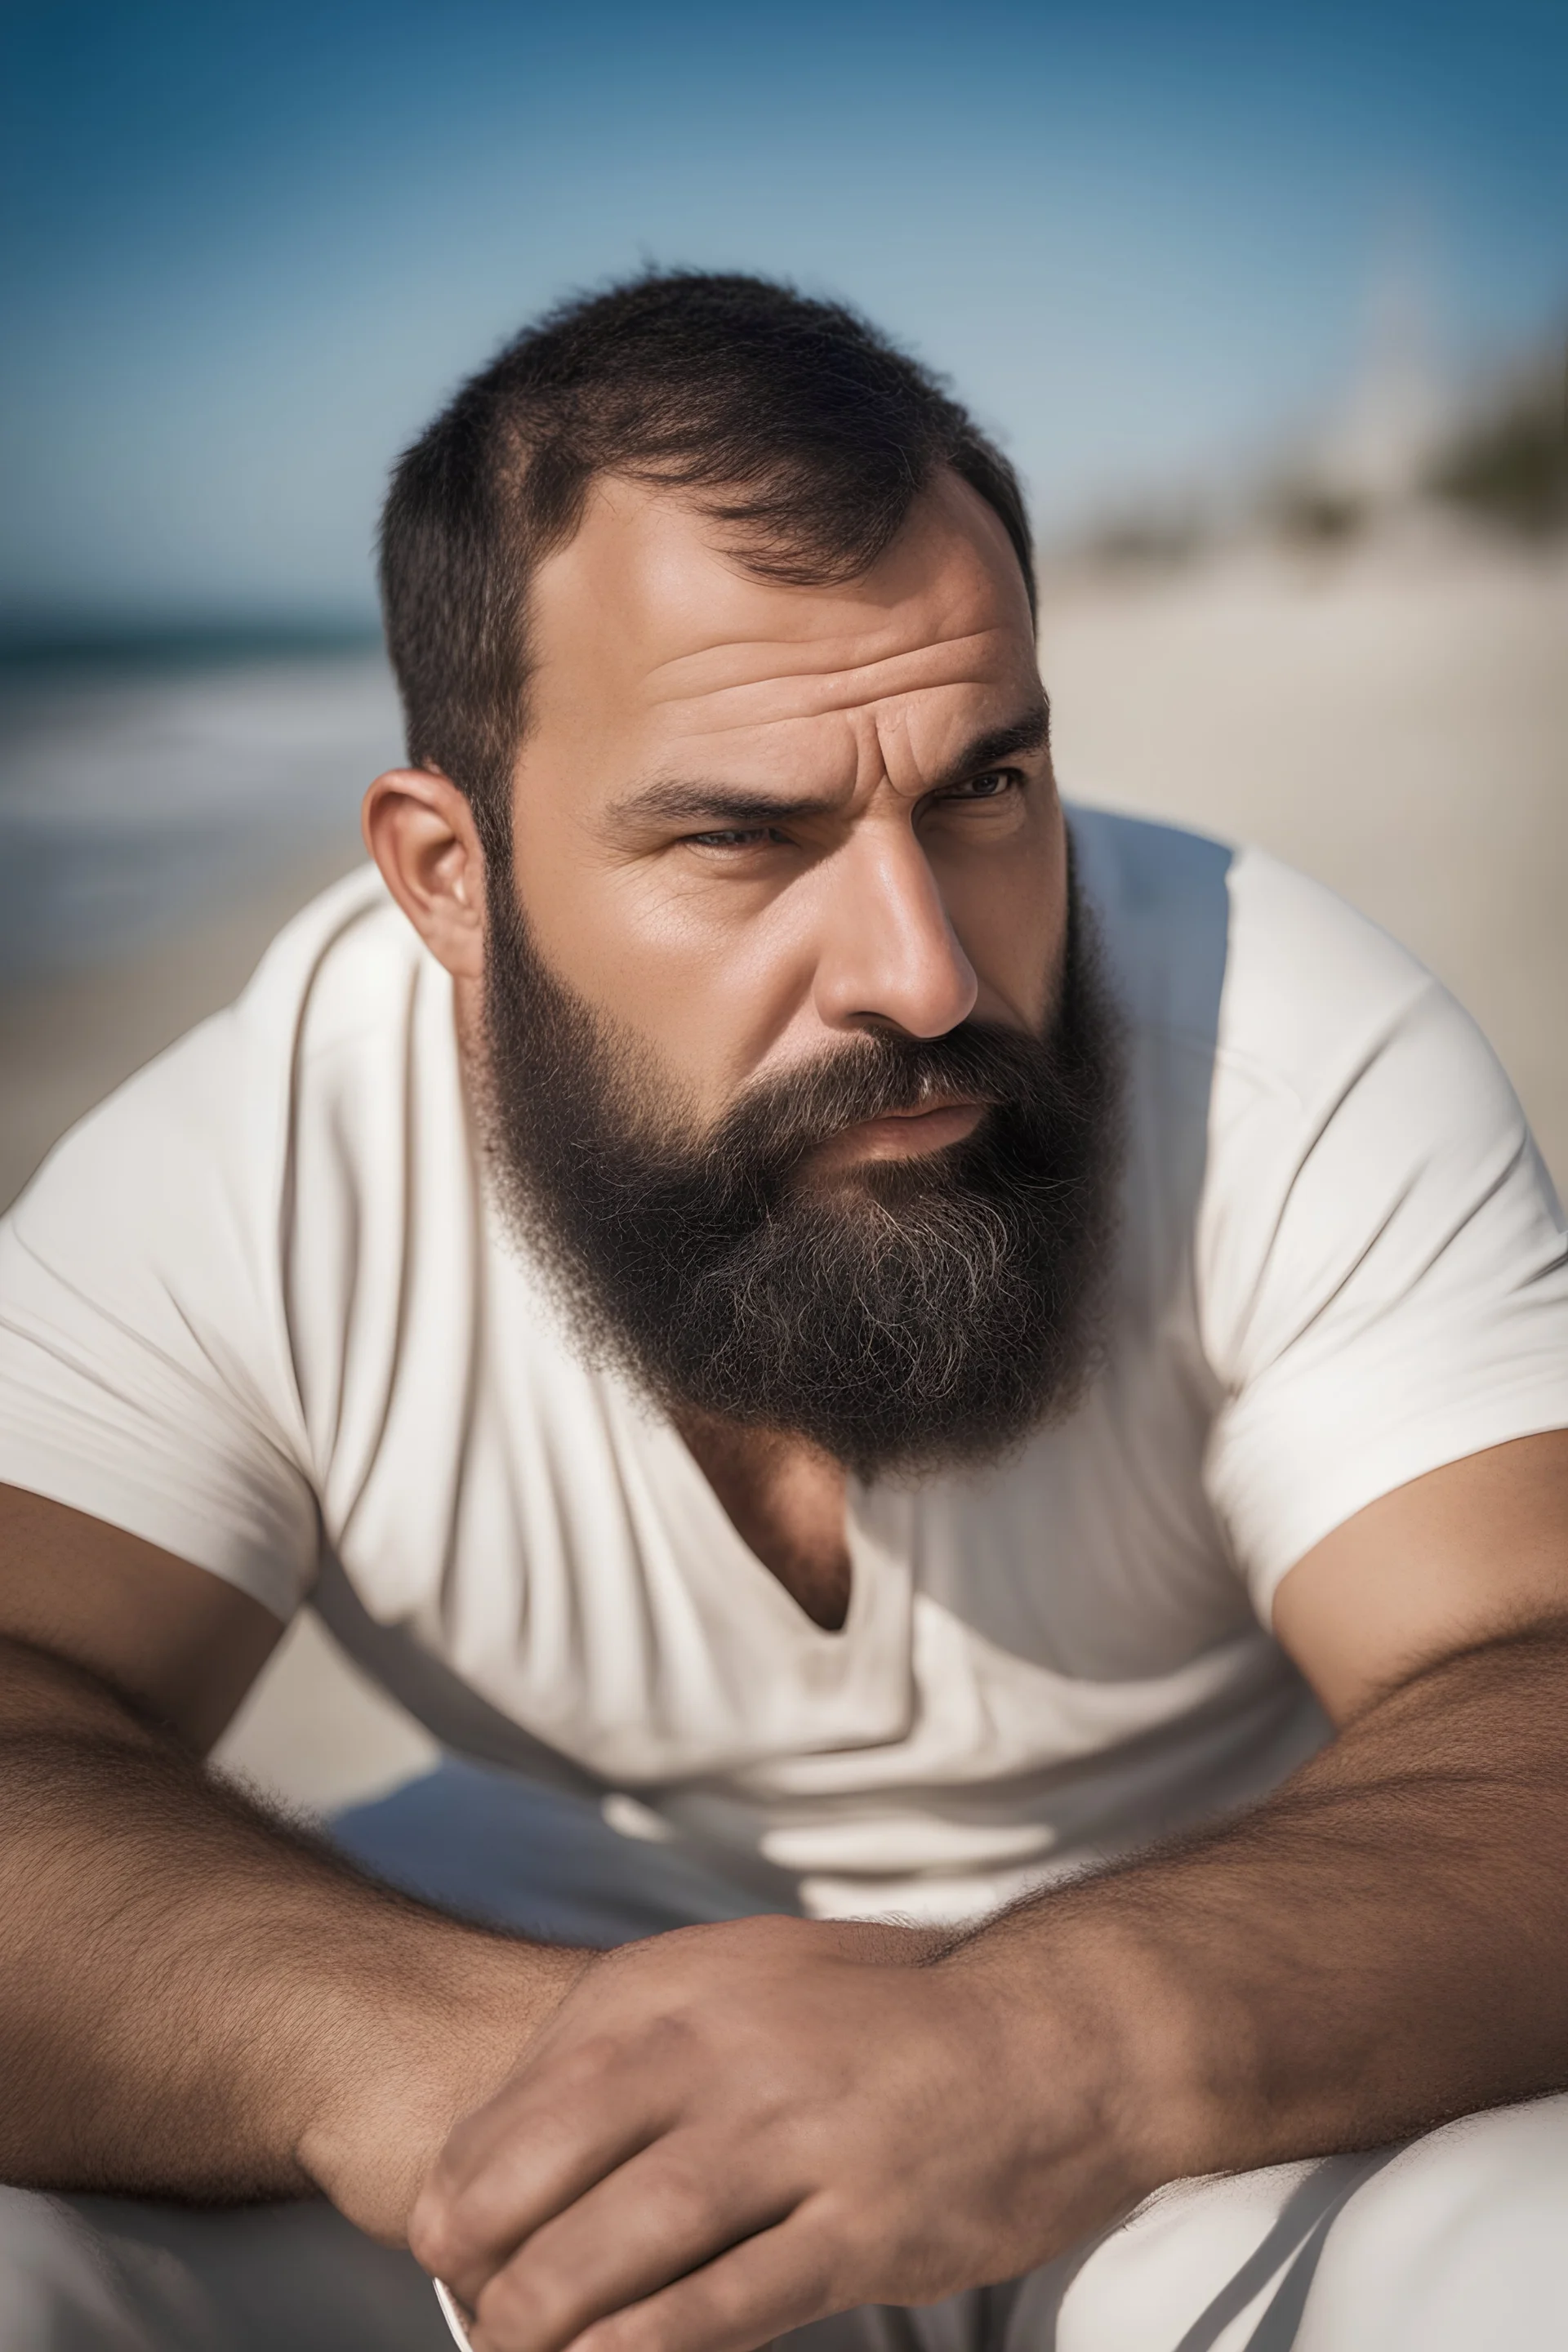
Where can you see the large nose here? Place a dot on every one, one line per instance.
(888, 955)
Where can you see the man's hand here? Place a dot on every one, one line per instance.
(728, 2131)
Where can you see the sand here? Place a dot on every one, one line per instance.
(1395, 722)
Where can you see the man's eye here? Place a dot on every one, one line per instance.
(993, 785)
(736, 836)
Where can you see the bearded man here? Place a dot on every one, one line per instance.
(956, 1416)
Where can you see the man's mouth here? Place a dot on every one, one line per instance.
(932, 1126)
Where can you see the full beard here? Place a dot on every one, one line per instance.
(908, 1315)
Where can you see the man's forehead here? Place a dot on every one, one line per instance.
(645, 617)
(933, 684)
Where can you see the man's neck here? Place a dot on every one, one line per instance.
(785, 1499)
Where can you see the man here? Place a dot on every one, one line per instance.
(870, 1354)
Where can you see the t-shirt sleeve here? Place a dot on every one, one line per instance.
(144, 1374)
(1382, 1266)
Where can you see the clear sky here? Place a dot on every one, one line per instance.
(249, 247)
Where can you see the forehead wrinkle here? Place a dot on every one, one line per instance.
(813, 630)
(807, 695)
(844, 647)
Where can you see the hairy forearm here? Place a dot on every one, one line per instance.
(198, 2001)
(1375, 1948)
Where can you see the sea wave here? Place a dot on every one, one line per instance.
(131, 805)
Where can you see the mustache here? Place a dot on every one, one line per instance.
(779, 1121)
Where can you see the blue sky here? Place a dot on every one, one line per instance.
(249, 248)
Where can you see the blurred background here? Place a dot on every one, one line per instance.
(1271, 308)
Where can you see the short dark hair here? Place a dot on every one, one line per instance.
(798, 425)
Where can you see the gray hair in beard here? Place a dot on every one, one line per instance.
(907, 1315)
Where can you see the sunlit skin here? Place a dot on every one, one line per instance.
(752, 820)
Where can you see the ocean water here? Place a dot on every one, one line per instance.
(134, 798)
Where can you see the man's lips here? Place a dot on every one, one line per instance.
(900, 1134)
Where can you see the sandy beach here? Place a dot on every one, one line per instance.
(1394, 720)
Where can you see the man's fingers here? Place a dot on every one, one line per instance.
(669, 2210)
(775, 2281)
(759, 2289)
(529, 2154)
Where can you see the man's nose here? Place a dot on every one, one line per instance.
(889, 956)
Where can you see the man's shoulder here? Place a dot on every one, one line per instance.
(340, 973)
(1245, 961)
(1157, 899)
(218, 1114)
(337, 971)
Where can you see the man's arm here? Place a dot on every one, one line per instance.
(1375, 1949)
(195, 2000)
(1406, 1894)
(725, 2133)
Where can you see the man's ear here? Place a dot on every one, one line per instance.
(420, 831)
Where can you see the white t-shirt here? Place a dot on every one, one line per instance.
(256, 1310)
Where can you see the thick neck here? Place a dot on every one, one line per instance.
(784, 1498)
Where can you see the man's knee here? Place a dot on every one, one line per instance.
(1200, 2261)
(1456, 2244)
(115, 2274)
(58, 2290)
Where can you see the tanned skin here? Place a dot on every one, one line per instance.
(700, 2141)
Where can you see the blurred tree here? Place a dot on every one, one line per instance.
(1511, 465)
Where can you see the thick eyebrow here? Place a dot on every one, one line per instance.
(675, 803)
(673, 800)
(1028, 734)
